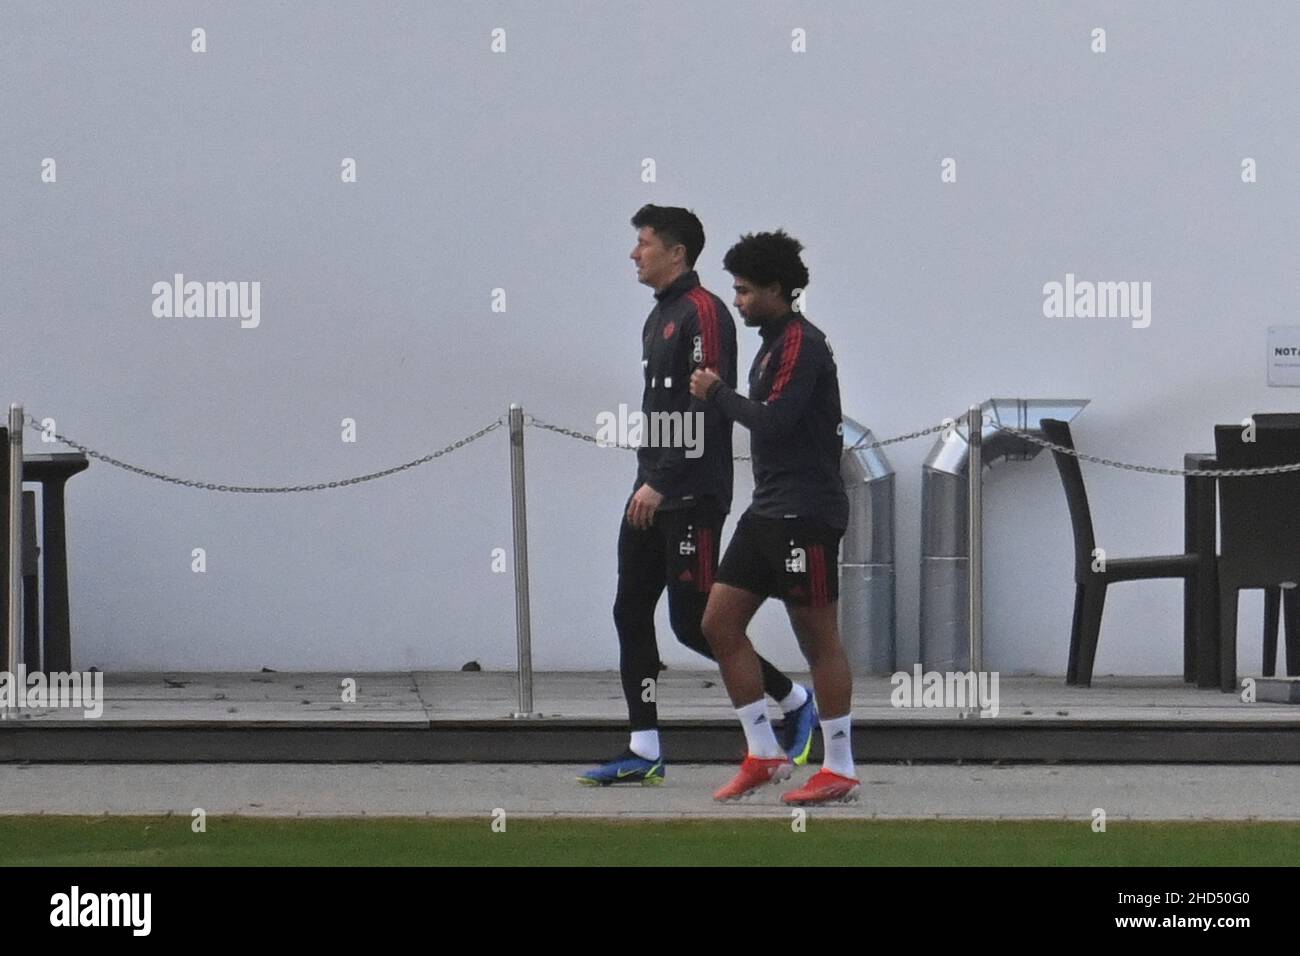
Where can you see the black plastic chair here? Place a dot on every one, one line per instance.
(1259, 535)
(30, 562)
(31, 586)
(1090, 585)
(1273, 600)
(1273, 596)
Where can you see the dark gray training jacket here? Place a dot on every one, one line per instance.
(688, 328)
(795, 423)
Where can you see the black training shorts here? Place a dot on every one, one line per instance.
(794, 559)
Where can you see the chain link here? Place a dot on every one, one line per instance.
(266, 490)
(898, 438)
(536, 422)
(1148, 469)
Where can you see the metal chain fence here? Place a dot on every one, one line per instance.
(536, 422)
(264, 489)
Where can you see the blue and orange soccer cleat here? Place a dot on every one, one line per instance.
(627, 767)
(797, 731)
(824, 787)
(755, 772)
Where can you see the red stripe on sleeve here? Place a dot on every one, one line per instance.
(709, 333)
(789, 355)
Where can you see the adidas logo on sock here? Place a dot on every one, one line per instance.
(762, 719)
(839, 735)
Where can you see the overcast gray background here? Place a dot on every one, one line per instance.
(520, 170)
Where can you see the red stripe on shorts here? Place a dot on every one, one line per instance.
(704, 554)
(817, 577)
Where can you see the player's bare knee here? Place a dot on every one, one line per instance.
(719, 632)
(712, 628)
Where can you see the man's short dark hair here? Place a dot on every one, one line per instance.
(675, 226)
(766, 257)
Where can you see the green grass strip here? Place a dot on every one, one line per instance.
(245, 841)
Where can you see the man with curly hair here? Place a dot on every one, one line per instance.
(786, 545)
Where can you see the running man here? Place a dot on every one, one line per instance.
(672, 524)
(786, 545)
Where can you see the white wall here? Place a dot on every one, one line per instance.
(520, 170)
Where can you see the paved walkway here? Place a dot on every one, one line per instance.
(414, 699)
(889, 791)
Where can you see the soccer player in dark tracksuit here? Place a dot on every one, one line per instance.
(786, 545)
(672, 525)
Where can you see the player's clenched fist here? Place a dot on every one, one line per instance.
(702, 382)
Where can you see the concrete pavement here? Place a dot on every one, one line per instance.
(889, 791)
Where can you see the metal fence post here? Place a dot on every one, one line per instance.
(975, 537)
(523, 631)
(14, 624)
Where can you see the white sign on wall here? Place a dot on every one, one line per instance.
(1284, 356)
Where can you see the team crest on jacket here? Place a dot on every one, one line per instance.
(669, 329)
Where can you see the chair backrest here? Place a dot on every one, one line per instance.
(1276, 419)
(1076, 496)
(1259, 515)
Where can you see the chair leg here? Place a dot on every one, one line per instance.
(1272, 608)
(1207, 624)
(1291, 628)
(31, 624)
(1094, 602)
(1227, 636)
(1072, 667)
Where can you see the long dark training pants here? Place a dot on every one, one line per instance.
(679, 551)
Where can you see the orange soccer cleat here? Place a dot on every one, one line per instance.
(754, 773)
(824, 787)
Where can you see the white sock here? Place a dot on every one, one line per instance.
(645, 744)
(837, 746)
(758, 729)
(792, 701)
